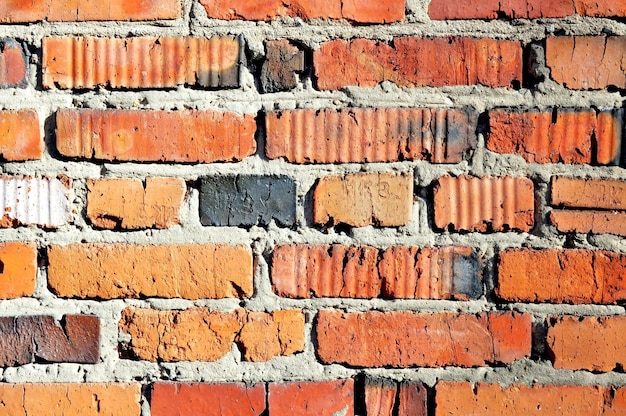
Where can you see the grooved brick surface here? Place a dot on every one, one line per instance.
(13, 64)
(19, 269)
(152, 136)
(109, 271)
(323, 398)
(371, 135)
(283, 61)
(407, 339)
(366, 63)
(19, 135)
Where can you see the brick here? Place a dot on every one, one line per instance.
(380, 397)
(29, 339)
(247, 200)
(311, 398)
(360, 11)
(20, 138)
(587, 62)
(18, 269)
(399, 272)
(494, 9)
(412, 399)
(361, 199)
(155, 136)
(128, 204)
(366, 63)
(140, 62)
(597, 222)
(407, 339)
(16, 11)
(561, 276)
(484, 204)
(109, 271)
(198, 334)
(588, 193)
(283, 62)
(13, 64)
(62, 399)
(600, 8)
(357, 135)
(228, 399)
(34, 201)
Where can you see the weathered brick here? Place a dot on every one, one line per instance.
(62, 399)
(484, 204)
(361, 199)
(412, 399)
(303, 271)
(13, 64)
(109, 271)
(228, 399)
(561, 276)
(18, 269)
(128, 204)
(371, 135)
(588, 221)
(201, 335)
(366, 63)
(587, 62)
(283, 61)
(28, 339)
(247, 200)
(146, 136)
(407, 339)
(19, 135)
(380, 397)
(493, 9)
(140, 62)
(601, 8)
(588, 193)
(323, 398)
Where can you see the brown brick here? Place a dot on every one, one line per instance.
(19, 269)
(144, 136)
(587, 62)
(588, 193)
(597, 222)
(140, 62)
(109, 271)
(361, 199)
(19, 135)
(13, 64)
(371, 135)
(323, 398)
(283, 61)
(407, 339)
(128, 204)
(201, 335)
(366, 63)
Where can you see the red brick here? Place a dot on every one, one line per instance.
(587, 62)
(597, 222)
(140, 62)
(13, 64)
(312, 398)
(109, 271)
(484, 204)
(412, 399)
(20, 138)
(366, 63)
(19, 269)
(371, 135)
(588, 193)
(380, 397)
(601, 8)
(407, 339)
(561, 276)
(493, 9)
(589, 343)
(172, 136)
(228, 399)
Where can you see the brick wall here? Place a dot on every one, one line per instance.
(403, 207)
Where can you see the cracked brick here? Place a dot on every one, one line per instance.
(283, 61)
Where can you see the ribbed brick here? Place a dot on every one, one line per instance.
(587, 62)
(303, 271)
(228, 399)
(13, 64)
(361, 199)
(62, 399)
(140, 62)
(591, 343)
(561, 276)
(152, 136)
(202, 335)
(28, 339)
(361, 11)
(110, 271)
(597, 222)
(129, 204)
(524, 9)
(16, 11)
(324, 398)
(18, 269)
(484, 204)
(366, 63)
(19, 135)
(371, 135)
(407, 339)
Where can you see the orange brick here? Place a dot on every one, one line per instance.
(202, 335)
(13, 64)
(109, 271)
(381, 199)
(19, 135)
(127, 204)
(601, 8)
(597, 222)
(366, 63)
(380, 397)
(588, 193)
(140, 62)
(173, 136)
(407, 339)
(323, 398)
(494, 9)
(19, 269)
